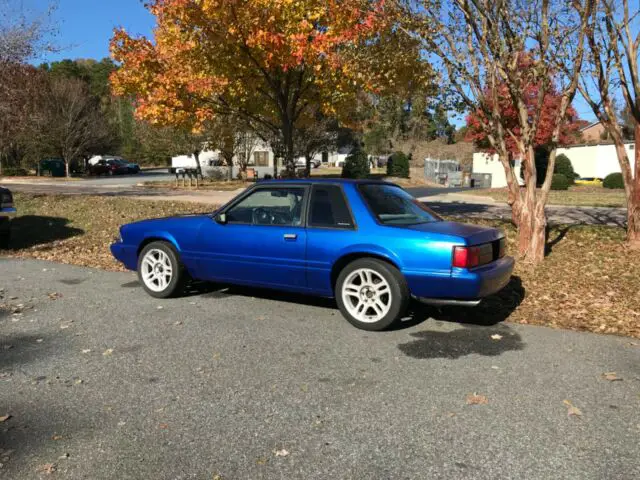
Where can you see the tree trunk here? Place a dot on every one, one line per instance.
(196, 155)
(66, 168)
(289, 155)
(307, 167)
(633, 196)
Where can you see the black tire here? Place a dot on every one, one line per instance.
(399, 293)
(5, 239)
(178, 280)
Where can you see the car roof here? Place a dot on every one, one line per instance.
(326, 180)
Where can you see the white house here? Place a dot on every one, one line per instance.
(595, 161)
(486, 163)
(262, 160)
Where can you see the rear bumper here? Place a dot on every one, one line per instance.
(126, 254)
(462, 286)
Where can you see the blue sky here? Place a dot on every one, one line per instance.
(85, 26)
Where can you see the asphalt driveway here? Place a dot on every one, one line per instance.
(101, 381)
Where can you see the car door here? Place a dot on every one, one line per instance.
(331, 230)
(262, 240)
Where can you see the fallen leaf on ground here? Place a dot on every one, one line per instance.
(107, 352)
(611, 376)
(86, 350)
(496, 336)
(47, 468)
(163, 426)
(54, 296)
(475, 399)
(56, 437)
(281, 453)
(4, 418)
(572, 410)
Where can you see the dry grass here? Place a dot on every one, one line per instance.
(575, 196)
(587, 281)
(224, 185)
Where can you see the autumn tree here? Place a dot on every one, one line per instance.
(569, 131)
(481, 45)
(612, 72)
(267, 61)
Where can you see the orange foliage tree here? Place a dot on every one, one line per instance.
(269, 62)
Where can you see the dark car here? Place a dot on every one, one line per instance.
(108, 167)
(370, 245)
(131, 167)
(7, 211)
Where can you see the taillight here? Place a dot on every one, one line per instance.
(466, 257)
(503, 248)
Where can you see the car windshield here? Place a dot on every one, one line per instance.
(393, 206)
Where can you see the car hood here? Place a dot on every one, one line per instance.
(471, 234)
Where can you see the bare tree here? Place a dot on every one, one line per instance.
(24, 35)
(69, 122)
(612, 72)
(316, 137)
(247, 142)
(481, 46)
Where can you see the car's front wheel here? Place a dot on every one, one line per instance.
(371, 294)
(160, 271)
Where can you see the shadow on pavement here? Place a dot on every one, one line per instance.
(23, 349)
(31, 230)
(468, 340)
(477, 324)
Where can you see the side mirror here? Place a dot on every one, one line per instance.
(221, 218)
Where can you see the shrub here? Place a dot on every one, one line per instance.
(613, 180)
(356, 165)
(559, 182)
(563, 167)
(398, 165)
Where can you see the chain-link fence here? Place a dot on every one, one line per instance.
(438, 170)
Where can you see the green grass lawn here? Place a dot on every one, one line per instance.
(585, 283)
(575, 196)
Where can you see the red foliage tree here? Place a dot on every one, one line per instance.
(570, 132)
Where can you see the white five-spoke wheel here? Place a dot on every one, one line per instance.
(160, 271)
(366, 295)
(371, 294)
(157, 270)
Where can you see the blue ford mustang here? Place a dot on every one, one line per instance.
(369, 244)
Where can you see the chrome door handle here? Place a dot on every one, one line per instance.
(290, 236)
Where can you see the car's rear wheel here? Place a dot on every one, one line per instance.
(371, 294)
(160, 271)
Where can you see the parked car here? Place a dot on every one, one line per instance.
(108, 167)
(130, 167)
(589, 181)
(301, 162)
(7, 211)
(369, 244)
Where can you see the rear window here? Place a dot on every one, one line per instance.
(329, 208)
(393, 206)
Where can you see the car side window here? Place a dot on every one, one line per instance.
(270, 206)
(329, 208)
